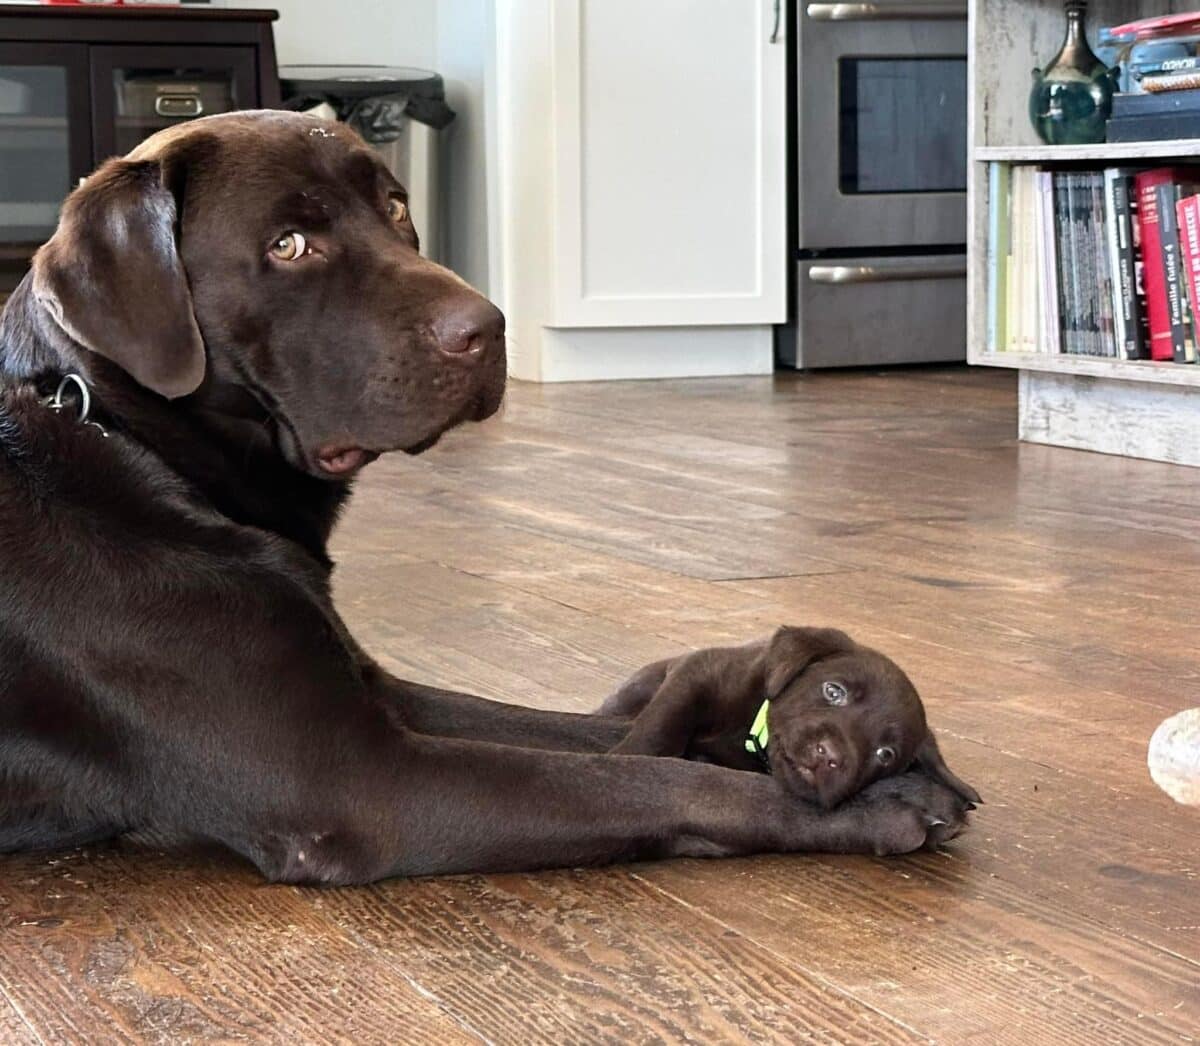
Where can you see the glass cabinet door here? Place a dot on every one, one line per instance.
(140, 90)
(45, 145)
(44, 139)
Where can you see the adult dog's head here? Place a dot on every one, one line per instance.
(274, 253)
(843, 715)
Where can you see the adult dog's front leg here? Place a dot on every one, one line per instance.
(393, 803)
(444, 713)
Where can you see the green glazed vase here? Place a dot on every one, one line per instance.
(1072, 99)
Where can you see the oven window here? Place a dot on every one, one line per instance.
(902, 125)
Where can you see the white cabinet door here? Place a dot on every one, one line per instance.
(668, 121)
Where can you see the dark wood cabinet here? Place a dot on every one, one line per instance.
(78, 85)
(138, 89)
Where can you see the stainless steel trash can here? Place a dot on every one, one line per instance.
(398, 110)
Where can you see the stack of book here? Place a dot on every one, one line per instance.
(1155, 116)
(1094, 262)
(1159, 77)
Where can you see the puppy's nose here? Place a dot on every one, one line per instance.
(822, 756)
(469, 328)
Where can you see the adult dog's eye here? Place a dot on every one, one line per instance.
(397, 209)
(886, 755)
(290, 246)
(835, 693)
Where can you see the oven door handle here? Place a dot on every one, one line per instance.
(869, 12)
(884, 274)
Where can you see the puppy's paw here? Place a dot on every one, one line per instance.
(905, 813)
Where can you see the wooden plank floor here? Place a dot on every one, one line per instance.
(1043, 600)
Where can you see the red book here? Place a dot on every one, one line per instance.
(1158, 310)
(1187, 211)
(1186, 24)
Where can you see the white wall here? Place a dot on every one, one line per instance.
(452, 37)
(465, 30)
(364, 32)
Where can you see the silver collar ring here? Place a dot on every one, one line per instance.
(57, 403)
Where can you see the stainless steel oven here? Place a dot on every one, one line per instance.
(879, 174)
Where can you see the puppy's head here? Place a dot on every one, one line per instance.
(842, 715)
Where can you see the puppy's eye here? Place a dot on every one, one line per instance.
(835, 693)
(886, 755)
(290, 246)
(397, 210)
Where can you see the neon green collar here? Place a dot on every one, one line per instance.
(756, 740)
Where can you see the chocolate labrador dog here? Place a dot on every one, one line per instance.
(243, 301)
(823, 713)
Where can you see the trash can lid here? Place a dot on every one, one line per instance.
(359, 81)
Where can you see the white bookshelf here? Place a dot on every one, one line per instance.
(1117, 152)
(1151, 372)
(1134, 408)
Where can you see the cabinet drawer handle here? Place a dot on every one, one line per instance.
(177, 106)
(868, 12)
(871, 274)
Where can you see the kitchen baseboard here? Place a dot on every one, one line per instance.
(626, 353)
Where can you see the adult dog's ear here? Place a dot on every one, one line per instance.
(929, 759)
(112, 279)
(791, 650)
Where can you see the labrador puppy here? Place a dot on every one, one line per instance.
(227, 327)
(825, 715)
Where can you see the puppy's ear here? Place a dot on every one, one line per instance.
(929, 759)
(791, 650)
(112, 279)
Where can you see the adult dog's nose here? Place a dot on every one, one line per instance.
(469, 328)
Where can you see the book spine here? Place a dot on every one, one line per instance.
(1048, 241)
(1152, 272)
(1038, 284)
(1078, 295)
(1085, 260)
(1023, 276)
(1165, 65)
(1132, 106)
(1112, 220)
(1170, 82)
(1124, 283)
(1005, 276)
(993, 244)
(1013, 265)
(1106, 342)
(1168, 246)
(1156, 127)
(1031, 327)
(1187, 213)
(1139, 272)
(1062, 211)
(1079, 260)
(1079, 320)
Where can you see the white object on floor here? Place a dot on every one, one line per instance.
(1174, 757)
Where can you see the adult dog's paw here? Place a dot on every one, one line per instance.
(901, 814)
